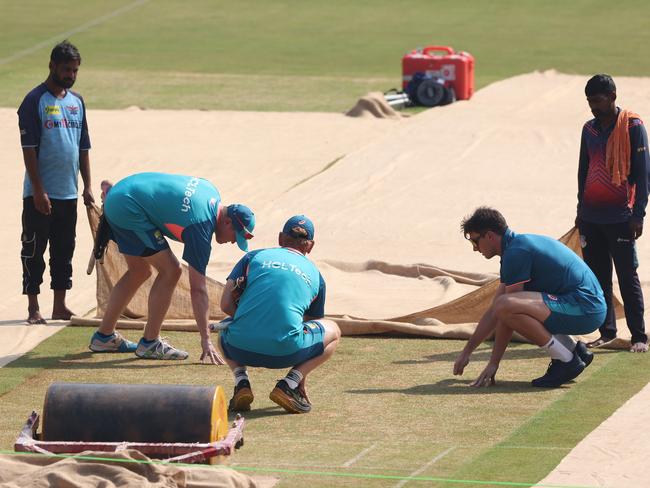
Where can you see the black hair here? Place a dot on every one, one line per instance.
(64, 52)
(484, 219)
(601, 84)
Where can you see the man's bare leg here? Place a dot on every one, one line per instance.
(160, 295)
(33, 310)
(137, 273)
(60, 311)
(330, 341)
(524, 312)
(297, 376)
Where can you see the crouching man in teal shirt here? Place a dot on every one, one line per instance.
(547, 293)
(276, 298)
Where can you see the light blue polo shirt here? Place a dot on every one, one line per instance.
(282, 286)
(546, 265)
(58, 130)
(183, 208)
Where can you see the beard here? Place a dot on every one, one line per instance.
(62, 82)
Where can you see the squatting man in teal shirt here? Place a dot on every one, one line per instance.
(547, 293)
(276, 302)
(142, 211)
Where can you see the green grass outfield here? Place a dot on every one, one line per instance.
(304, 54)
(384, 409)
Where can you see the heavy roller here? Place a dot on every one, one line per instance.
(178, 423)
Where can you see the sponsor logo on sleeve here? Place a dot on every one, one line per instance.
(52, 110)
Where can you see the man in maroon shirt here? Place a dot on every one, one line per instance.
(611, 209)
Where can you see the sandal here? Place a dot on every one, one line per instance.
(600, 342)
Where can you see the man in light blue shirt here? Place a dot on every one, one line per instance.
(55, 142)
(276, 298)
(547, 293)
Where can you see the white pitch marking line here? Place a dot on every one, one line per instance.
(350, 462)
(65, 35)
(421, 470)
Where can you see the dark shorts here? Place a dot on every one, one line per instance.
(310, 345)
(568, 315)
(138, 243)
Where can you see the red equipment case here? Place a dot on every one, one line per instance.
(456, 68)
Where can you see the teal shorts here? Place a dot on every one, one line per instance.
(138, 242)
(309, 345)
(568, 315)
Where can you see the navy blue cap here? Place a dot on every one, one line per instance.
(300, 227)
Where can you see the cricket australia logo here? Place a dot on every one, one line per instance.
(159, 237)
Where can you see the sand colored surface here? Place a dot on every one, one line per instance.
(391, 190)
(252, 157)
(18, 339)
(378, 189)
(613, 455)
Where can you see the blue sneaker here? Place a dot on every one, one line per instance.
(560, 372)
(113, 343)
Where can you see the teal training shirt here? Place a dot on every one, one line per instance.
(546, 265)
(282, 286)
(183, 208)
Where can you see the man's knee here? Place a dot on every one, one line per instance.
(176, 272)
(171, 272)
(332, 331)
(139, 270)
(504, 306)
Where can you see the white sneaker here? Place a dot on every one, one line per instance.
(159, 349)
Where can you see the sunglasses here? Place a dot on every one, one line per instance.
(475, 240)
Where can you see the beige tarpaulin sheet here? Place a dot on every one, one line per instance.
(373, 104)
(456, 319)
(131, 469)
(114, 266)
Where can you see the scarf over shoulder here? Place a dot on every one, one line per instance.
(617, 157)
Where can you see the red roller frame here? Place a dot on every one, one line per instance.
(177, 452)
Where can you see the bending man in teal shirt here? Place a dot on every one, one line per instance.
(547, 293)
(143, 210)
(276, 298)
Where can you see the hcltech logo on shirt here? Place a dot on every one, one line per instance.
(190, 190)
(287, 267)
